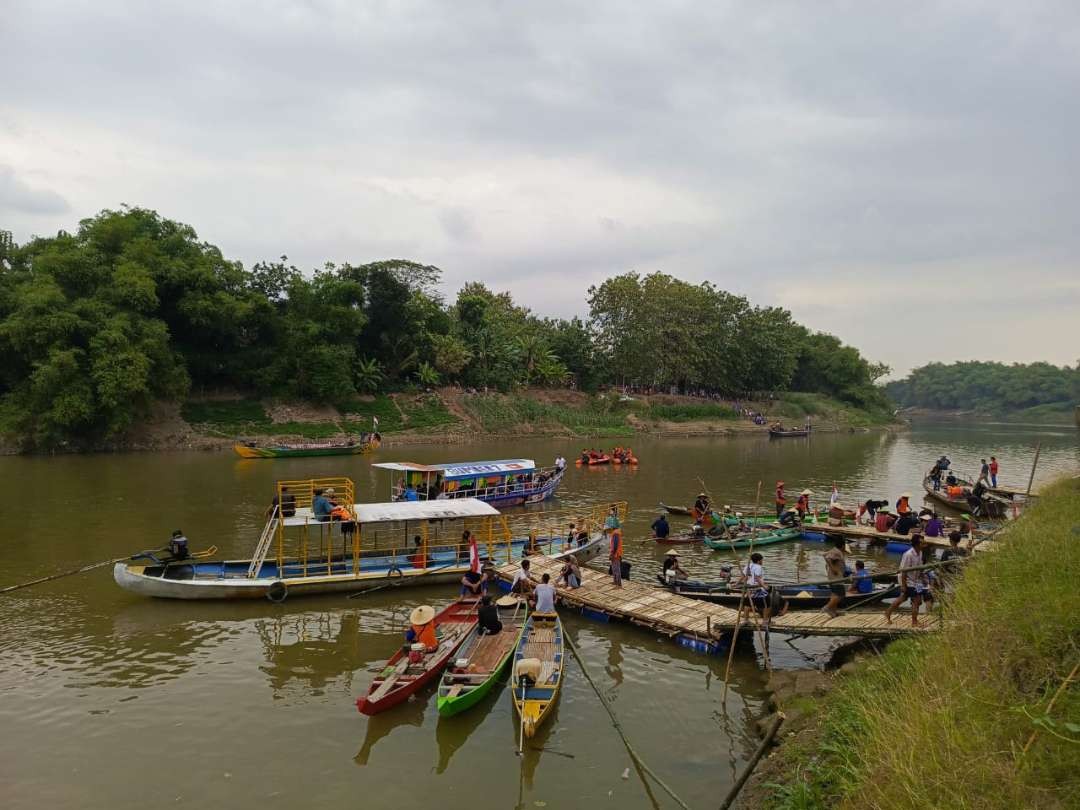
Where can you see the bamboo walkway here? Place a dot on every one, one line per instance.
(874, 536)
(700, 624)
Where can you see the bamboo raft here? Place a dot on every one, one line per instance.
(701, 625)
(873, 535)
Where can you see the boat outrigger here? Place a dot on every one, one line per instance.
(505, 482)
(420, 542)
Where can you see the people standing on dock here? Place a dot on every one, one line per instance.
(834, 570)
(660, 527)
(913, 584)
(781, 500)
(757, 593)
(802, 505)
(984, 472)
(560, 463)
(616, 551)
(993, 471)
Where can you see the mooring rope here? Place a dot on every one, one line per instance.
(618, 727)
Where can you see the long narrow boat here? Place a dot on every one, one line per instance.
(402, 675)
(504, 482)
(782, 433)
(682, 538)
(761, 538)
(538, 670)
(480, 662)
(675, 510)
(417, 542)
(797, 597)
(367, 443)
(990, 505)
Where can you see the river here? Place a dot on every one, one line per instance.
(109, 700)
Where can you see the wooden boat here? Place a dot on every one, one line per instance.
(682, 538)
(784, 433)
(990, 505)
(541, 642)
(676, 510)
(603, 458)
(505, 482)
(298, 554)
(402, 677)
(367, 443)
(797, 597)
(762, 538)
(479, 663)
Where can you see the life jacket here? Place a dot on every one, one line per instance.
(616, 544)
(902, 506)
(425, 634)
(340, 513)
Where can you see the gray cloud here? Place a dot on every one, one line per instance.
(830, 152)
(18, 197)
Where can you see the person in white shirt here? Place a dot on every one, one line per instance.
(560, 463)
(523, 583)
(753, 579)
(545, 595)
(914, 585)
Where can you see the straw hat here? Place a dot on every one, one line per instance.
(738, 514)
(924, 517)
(506, 601)
(328, 491)
(672, 553)
(422, 614)
(779, 483)
(806, 492)
(727, 507)
(905, 494)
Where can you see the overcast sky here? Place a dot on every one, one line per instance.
(903, 175)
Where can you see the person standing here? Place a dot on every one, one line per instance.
(781, 500)
(660, 528)
(753, 579)
(911, 584)
(834, 570)
(802, 506)
(993, 471)
(615, 554)
(984, 472)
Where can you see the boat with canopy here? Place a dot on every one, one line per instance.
(300, 552)
(504, 482)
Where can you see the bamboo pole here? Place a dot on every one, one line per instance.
(1050, 705)
(749, 769)
(1031, 478)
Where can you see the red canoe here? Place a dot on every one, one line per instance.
(399, 679)
(593, 460)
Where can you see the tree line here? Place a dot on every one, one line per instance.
(132, 308)
(987, 387)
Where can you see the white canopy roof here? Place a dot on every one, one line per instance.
(450, 508)
(463, 469)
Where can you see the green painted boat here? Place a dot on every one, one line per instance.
(763, 538)
(367, 443)
(479, 663)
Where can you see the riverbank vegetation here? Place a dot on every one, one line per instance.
(133, 309)
(1037, 392)
(980, 715)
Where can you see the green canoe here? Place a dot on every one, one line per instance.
(479, 664)
(763, 538)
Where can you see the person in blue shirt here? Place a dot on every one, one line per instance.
(660, 527)
(321, 506)
(411, 494)
(862, 582)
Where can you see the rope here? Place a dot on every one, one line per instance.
(72, 572)
(618, 727)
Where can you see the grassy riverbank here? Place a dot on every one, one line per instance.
(943, 721)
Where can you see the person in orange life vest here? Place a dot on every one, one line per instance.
(903, 503)
(802, 506)
(422, 627)
(781, 501)
(993, 471)
(615, 554)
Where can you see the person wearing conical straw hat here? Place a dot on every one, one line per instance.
(802, 506)
(672, 570)
(903, 503)
(422, 627)
(781, 499)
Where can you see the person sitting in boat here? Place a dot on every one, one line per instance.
(570, 574)
(321, 506)
(789, 518)
(488, 617)
(419, 559)
(905, 523)
(672, 570)
(411, 494)
(523, 583)
(584, 456)
(935, 526)
(660, 528)
(583, 535)
(422, 628)
(544, 595)
(950, 480)
(178, 545)
(473, 584)
(861, 581)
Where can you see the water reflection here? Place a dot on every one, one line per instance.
(308, 651)
(451, 733)
(379, 726)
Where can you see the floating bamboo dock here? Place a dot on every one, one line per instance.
(874, 536)
(703, 626)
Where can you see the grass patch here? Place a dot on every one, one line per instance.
(942, 721)
(225, 413)
(690, 413)
(499, 412)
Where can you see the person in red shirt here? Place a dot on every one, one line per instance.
(781, 501)
(802, 506)
(993, 471)
(883, 521)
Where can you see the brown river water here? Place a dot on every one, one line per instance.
(111, 700)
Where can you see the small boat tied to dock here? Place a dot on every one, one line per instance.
(504, 482)
(317, 539)
(538, 670)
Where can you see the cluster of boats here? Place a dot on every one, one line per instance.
(619, 455)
